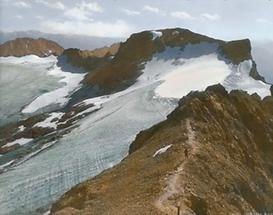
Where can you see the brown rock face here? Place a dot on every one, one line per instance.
(90, 60)
(27, 46)
(215, 158)
(102, 52)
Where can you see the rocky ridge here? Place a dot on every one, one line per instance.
(211, 156)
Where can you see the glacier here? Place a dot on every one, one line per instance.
(30, 83)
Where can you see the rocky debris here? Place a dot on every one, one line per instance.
(40, 135)
(220, 162)
(28, 46)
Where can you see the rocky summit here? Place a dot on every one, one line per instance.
(139, 48)
(28, 46)
(213, 155)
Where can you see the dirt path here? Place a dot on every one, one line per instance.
(173, 183)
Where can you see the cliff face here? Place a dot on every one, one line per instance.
(140, 48)
(27, 46)
(213, 155)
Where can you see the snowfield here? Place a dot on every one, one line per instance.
(195, 68)
(59, 96)
(28, 59)
(41, 83)
(239, 79)
(68, 82)
(193, 74)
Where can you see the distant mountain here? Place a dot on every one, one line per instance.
(213, 155)
(66, 41)
(262, 53)
(27, 46)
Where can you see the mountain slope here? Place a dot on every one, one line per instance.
(27, 46)
(211, 156)
(127, 64)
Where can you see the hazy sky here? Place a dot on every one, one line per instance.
(225, 19)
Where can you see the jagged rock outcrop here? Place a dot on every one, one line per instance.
(88, 59)
(28, 46)
(213, 155)
(126, 66)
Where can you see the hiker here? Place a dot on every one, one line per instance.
(186, 152)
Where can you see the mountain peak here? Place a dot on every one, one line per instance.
(28, 46)
(141, 47)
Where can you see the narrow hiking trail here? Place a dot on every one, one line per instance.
(174, 184)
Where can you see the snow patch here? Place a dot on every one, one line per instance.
(21, 141)
(156, 34)
(21, 128)
(162, 150)
(51, 121)
(175, 32)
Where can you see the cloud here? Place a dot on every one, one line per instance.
(118, 28)
(211, 17)
(263, 21)
(182, 15)
(154, 10)
(18, 17)
(56, 5)
(21, 4)
(130, 12)
(83, 10)
(40, 17)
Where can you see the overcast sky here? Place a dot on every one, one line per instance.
(224, 19)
